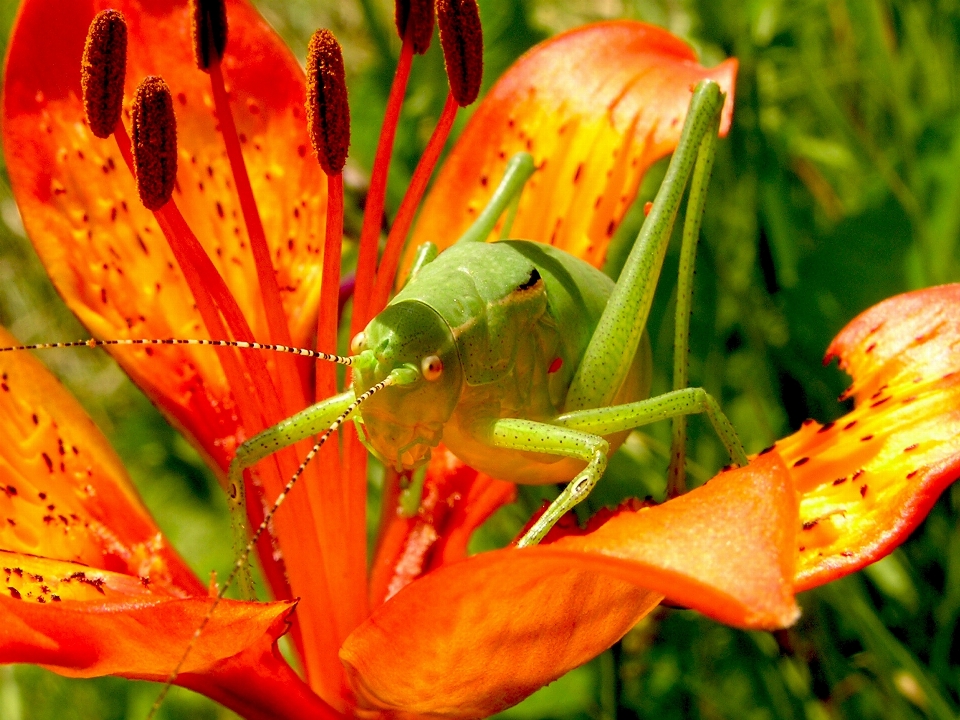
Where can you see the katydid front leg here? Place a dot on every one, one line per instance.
(307, 423)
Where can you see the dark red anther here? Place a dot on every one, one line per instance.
(415, 17)
(209, 21)
(154, 142)
(461, 37)
(103, 69)
(328, 112)
(555, 365)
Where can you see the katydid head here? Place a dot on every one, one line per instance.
(403, 422)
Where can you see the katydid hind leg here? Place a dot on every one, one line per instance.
(613, 345)
(676, 473)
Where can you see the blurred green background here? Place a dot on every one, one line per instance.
(838, 187)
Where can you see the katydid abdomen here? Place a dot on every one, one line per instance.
(509, 322)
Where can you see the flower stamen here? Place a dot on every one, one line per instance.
(414, 20)
(328, 122)
(102, 71)
(461, 37)
(209, 20)
(154, 142)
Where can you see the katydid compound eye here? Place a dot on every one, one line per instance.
(356, 345)
(431, 367)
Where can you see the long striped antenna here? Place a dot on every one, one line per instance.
(240, 344)
(392, 379)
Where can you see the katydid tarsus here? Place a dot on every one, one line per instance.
(529, 364)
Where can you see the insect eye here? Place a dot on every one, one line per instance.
(356, 345)
(431, 367)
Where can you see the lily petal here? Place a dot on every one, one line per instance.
(868, 479)
(83, 622)
(88, 585)
(496, 627)
(595, 107)
(455, 501)
(64, 494)
(87, 622)
(104, 251)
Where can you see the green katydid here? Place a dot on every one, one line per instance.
(529, 364)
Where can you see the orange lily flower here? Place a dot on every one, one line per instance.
(429, 631)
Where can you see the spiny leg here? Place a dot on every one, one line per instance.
(394, 378)
(676, 473)
(236, 493)
(679, 403)
(519, 169)
(506, 197)
(579, 434)
(517, 434)
(614, 342)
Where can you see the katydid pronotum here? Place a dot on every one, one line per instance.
(529, 364)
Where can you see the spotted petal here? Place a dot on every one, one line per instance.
(455, 501)
(104, 251)
(868, 479)
(494, 628)
(88, 584)
(596, 107)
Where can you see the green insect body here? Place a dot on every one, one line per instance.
(509, 322)
(528, 363)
